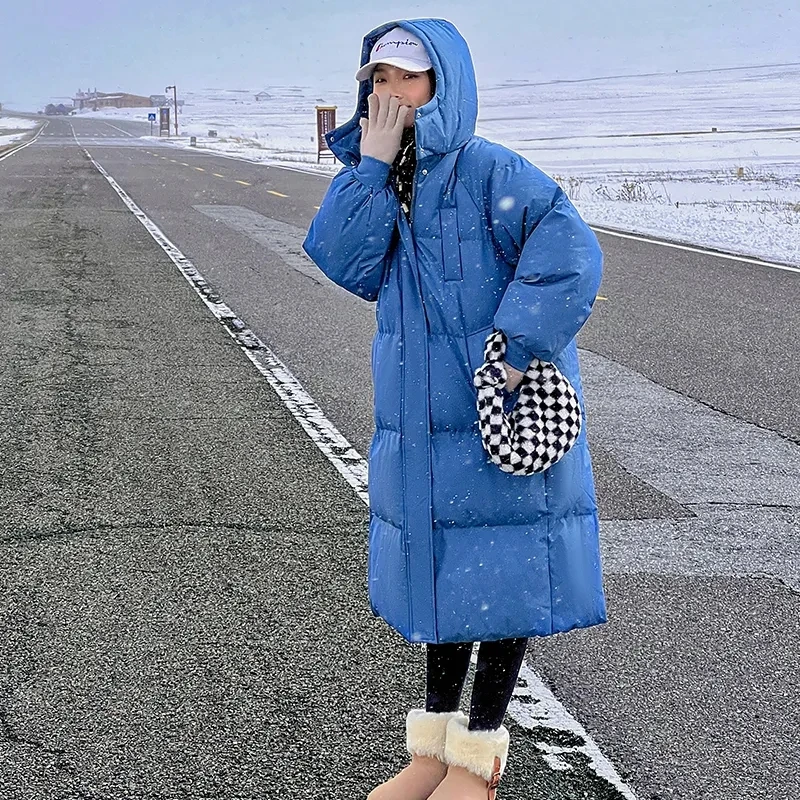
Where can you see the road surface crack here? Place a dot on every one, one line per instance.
(9, 733)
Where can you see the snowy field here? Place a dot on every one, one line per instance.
(13, 129)
(634, 153)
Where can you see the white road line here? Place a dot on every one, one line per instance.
(116, 128)
(694, 249)
(336, 448)
(26, 144)
(535, 706)
(541, 708)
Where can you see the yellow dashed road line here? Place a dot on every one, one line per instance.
(600, 297)
(217, 175)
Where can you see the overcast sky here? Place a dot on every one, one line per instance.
(51, 48)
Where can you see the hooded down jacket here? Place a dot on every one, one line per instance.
(459, 550)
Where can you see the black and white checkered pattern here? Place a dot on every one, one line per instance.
(544, 423)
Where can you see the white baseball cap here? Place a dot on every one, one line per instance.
(399, 48)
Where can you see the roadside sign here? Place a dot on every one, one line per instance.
(152, 116)
(163, 122)
(326, 122)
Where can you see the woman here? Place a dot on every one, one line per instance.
(457, 237)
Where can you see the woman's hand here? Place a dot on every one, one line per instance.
(382, 131)
(513, 377)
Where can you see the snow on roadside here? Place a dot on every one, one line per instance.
(14, 129)
(10, 138)
(758, 230)
(17, 123)
(750, 211)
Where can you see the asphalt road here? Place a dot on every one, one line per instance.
(182, 600)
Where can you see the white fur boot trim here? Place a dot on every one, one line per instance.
(426, 731)
(475, 750)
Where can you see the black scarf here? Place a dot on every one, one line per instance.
(403, 168)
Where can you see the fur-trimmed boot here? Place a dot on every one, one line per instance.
(475, 761)
(425, 741)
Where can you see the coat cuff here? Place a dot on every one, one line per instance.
(516, 356)
(372, 172)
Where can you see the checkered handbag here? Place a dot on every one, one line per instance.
(544, 423)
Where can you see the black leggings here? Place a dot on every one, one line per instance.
(495, 678)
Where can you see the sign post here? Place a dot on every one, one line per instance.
(152, 118)
(163, 122)
(326, 122)
(175, 98)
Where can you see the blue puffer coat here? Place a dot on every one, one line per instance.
(460, 551)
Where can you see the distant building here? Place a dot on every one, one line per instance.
(158, 100)
(61, 109)
(263, 96)
(96, 100)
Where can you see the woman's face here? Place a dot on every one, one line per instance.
(412, 89)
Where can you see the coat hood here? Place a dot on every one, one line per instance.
(445, 123)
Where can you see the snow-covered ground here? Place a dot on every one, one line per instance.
(635, 153)
(12, 129)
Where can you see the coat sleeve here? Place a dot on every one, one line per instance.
(558, 263)
(350, 237)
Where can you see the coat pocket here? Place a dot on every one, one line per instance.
(451, 246)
